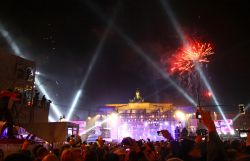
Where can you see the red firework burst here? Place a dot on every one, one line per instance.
(188, 56)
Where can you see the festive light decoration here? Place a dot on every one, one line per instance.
(190, 55)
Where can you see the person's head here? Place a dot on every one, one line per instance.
(91, 156)
(64, 147)
(236, 144)
(56, 151)
(174, 148)
(76, 154)
(127, 141)
(174, 159)
(121, 153)
(112, 157)
(50, 157)
(17, 157)
(188, 149)
(42, 152)
(35, 149)
(66, 155)
(1, 155)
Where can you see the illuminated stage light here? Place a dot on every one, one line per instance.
(124, 131)
(89, 118)
(37, 73)
(166, 123)
(74, 103)
(113, 118)
(91, 128)
(232, 132)
(180, 115)
(209, 94)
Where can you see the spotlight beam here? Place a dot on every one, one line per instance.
(204, 79)
(100, 123)
(142, 54)
(51, 119)
(176, 26)
(160, 70)
(78, 94)
(42, 89)
(18, 52)
(91, 65)
(172, 18)
(10, 41)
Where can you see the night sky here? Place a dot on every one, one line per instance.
(62, 36)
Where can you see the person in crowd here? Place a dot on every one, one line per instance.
(215, 149)
(184, 133)
(207, 147)
(50, 157)
(17, 157)
(1, 155)
(66, 155)
(41, 153)
(91, 156)
(36, 98)
(43, 101)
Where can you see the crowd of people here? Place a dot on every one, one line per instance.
(210, 148)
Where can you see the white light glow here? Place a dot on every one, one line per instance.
(124, 131)
(113, 119)
(166, 123)
(42, 89)
(10, 41)
(18, 52)
(216, 102)
(180, 115)
(51, 119)
(73, 106)
(93, 61)
(91, 128)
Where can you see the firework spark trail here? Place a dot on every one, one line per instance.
(185, 59)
